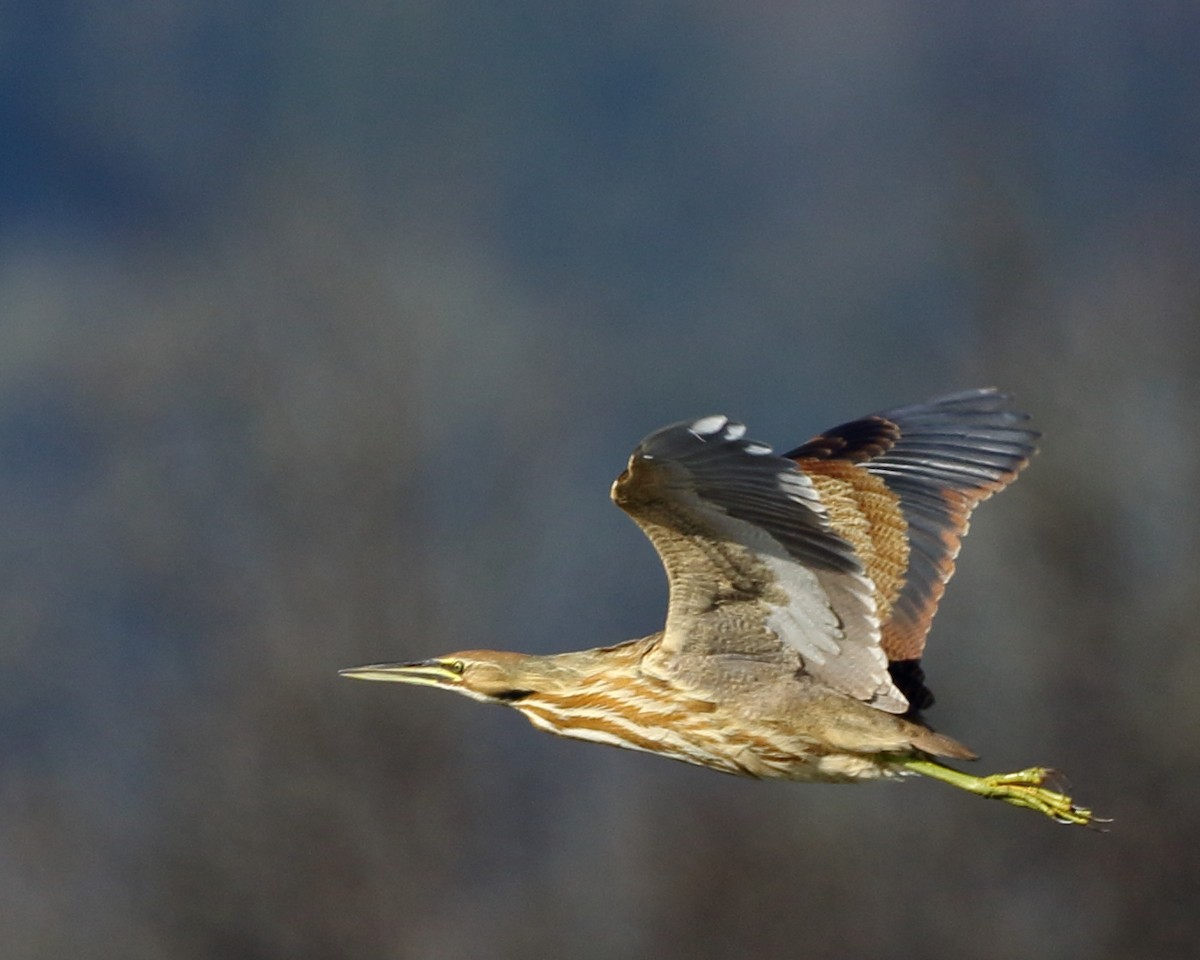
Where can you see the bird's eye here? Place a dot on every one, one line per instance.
(456, 666)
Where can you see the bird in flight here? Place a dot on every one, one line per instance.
(802, 588)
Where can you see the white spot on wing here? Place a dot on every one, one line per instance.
(757, 449)
(735, 431)
(707, 426)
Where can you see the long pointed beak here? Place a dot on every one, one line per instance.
(430, 673)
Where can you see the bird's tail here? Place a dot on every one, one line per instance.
(940, 745)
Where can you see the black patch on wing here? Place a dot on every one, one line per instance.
(909, 679)
(856, 441)
(747, 481)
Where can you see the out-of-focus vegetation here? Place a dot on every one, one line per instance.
(323, 329)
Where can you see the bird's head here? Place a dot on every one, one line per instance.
(490, 675)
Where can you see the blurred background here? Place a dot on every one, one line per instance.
(324, 329)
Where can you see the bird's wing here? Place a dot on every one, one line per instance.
(756, 569)
(916, 473)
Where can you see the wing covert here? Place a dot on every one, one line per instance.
(754, 566)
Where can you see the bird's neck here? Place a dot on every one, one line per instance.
(579, 671)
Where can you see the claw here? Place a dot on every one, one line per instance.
(1024, 788)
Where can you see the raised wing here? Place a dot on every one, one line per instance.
(754, 565)
(901, 486)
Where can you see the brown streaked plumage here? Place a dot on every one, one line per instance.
(802, 589)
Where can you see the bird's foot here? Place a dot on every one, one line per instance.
(1024, 788)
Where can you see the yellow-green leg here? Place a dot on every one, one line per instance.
(1022, 789)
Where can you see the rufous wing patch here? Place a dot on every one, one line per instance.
(936, 461)
(865, 512)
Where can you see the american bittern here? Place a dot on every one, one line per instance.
(801, 592)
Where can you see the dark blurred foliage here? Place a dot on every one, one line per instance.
(324, 328)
